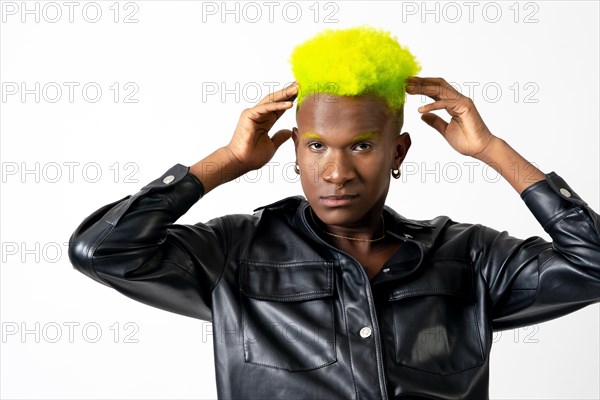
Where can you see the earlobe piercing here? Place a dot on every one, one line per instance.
(297, 168)
(396, 173)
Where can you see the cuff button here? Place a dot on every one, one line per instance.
(565, 192)
(168, 179)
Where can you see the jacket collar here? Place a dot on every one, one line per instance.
(300, 203)
(404, 228)
(418, 235)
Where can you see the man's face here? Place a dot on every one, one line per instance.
(353, 141)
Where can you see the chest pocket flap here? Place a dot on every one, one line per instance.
(449, 277)
(287, 282)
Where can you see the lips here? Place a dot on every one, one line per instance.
(338, 200)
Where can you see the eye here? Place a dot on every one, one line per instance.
(363, 146)
(315, 145)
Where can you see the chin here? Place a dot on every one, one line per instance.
(338, 215)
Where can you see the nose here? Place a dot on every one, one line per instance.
(338, 169)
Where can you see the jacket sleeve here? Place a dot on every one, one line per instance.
(532, 280)
(133, 246)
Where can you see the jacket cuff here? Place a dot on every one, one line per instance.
(174, 175)
(549, 199)
(181, 188)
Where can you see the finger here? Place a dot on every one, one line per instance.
(422, 81)
(287, 93)
(438, 105)
(436, 88)
(280, 137)
(262, 114)
(436, 92)
(435, 122)
(260, 111)
(413, 79)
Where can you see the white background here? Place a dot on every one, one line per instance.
(533, 73)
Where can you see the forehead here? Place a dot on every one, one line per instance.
(324, 111)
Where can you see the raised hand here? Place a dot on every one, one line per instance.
(251, 145)
(466, 132)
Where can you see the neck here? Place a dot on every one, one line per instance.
(362, 234)
(353, 247)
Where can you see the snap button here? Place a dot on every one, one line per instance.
(169, 179)
(386, 270)
(365, 332)
(565, 192)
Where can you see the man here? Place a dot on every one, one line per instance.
(336, 295)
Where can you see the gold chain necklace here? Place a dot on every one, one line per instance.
(312, 216)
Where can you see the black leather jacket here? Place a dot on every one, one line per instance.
(295, 318)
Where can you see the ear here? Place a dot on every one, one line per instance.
(296, 139)
(401, 145)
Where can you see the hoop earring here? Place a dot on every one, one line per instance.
(396, 173)
(297, 168)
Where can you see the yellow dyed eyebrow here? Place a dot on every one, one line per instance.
(359, 138)
(365, 136)
(310, 135)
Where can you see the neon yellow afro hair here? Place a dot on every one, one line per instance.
(353, 62)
